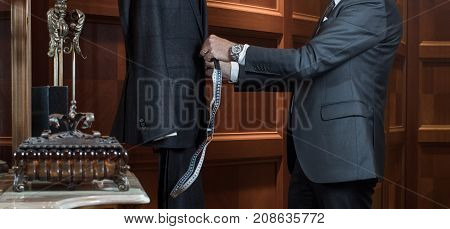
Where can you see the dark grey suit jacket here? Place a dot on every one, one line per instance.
(162, 93)
(339, 136)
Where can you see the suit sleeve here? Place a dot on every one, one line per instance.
(358, 27)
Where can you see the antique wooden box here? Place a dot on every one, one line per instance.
(70, 158)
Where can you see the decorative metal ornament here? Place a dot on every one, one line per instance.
(70, 157)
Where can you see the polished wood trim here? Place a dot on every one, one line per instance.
(88, 7)
(231, 18)
(5, 141)
(21, 70)
(246, 8)
(305, 17)
(412, 93)
(434, 133)
(402, 49)
(397, 136)
(218, 137)
(434, 50)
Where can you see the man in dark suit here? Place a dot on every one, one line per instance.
(162, 103)
(340, 79)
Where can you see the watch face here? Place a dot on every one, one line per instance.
(236, 49)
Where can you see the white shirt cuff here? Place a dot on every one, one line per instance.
(234, 76)
(243, 54)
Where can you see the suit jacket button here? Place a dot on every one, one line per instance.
(141, 120)
(142, 124)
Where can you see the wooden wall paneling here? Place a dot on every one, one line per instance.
(428, 166)
(434, 131)
(305, 15)
(5, 81)
(5, 6)
(5, 70)
(250, 108)
(42, 68)
(412, 104)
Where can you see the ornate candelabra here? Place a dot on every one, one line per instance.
(65, 31)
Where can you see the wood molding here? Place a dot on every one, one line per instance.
(402, 49)
(397, 135)
(246, 8)
(96, 8)
(21, 70)
(305, 17)
(236, 19)
(434, 50)
(434, 133)
(5, 141)
(220, 137)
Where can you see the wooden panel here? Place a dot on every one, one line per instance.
(394, 177)
(98, 7)
(434, 176)
(229, 18)
(435, 95)
(5, 6)
(5, 74)
(245, 4)
(434, 50)
(305, 16)
(5, 151)
(5, 81)
(429, 125)
(433, 22)
(241, 185)
(393, 191)
(396, 96)
(306, 7)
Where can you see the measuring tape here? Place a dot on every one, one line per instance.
(196, 165)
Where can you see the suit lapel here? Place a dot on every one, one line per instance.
(197, 15)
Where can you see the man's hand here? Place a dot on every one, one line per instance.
(216, 48)
(224, 66)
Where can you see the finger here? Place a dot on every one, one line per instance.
(209, 72)
(209, 56)
(203, 52)
(206, 46)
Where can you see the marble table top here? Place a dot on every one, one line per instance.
(41, 196)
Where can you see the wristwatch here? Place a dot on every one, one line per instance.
(235, 51)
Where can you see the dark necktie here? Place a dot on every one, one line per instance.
(327, 12)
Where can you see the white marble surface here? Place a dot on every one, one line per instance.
(44, 196)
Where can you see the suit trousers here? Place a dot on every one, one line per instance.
(305, 194)
(172, 166)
